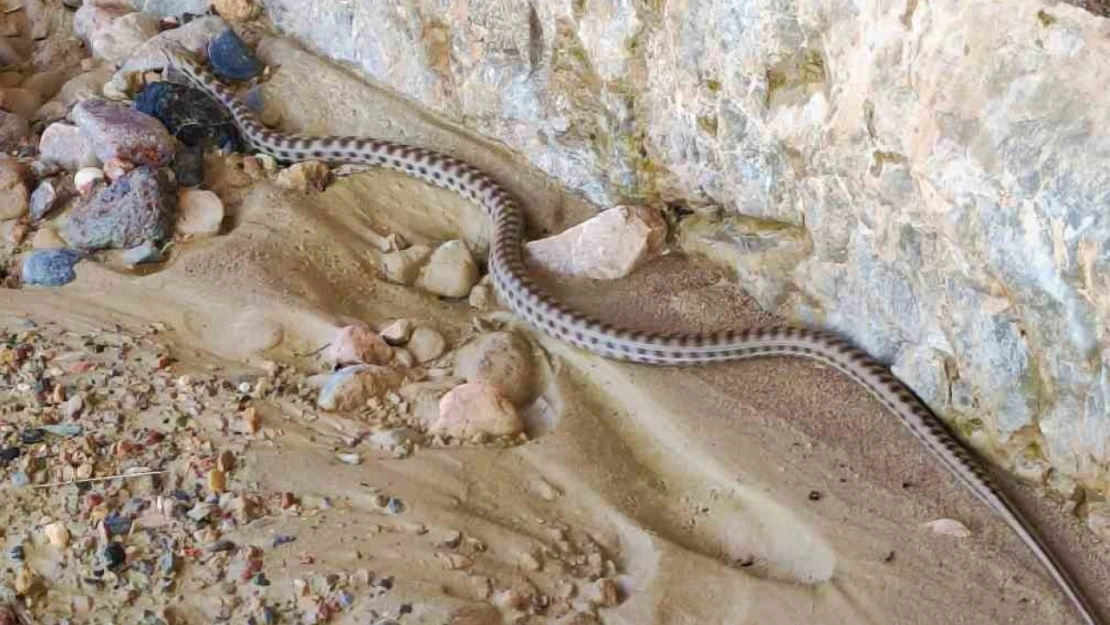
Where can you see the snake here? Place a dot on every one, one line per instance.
(528, 301)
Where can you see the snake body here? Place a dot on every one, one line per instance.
(529, 302)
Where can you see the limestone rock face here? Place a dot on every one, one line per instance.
(940, 187)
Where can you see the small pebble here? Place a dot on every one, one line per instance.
(217, 481)
(199, 212)
(226, 461)
(403, 267)
(86, 179)
(426, 344)
(358, 345)
(236, 10)
(142, 254)
(14, 131)
(450, 271)
(57, 533)
(16, 553)
(230, 59)
(46, 238)
(305, 176)
(113, 556)
(349, 458)
(45, 198)
(476, 408)
(398, 332)
(50, 267)
(14, 192)
(115, 168)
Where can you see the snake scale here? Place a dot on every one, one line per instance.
(529, 302)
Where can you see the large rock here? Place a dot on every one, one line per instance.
(116, 130)
(137, 208)
(943, 185)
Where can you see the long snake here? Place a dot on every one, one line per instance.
(531, 303)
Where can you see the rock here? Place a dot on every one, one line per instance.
(50, 267)
(22, 102)
(236, 10)
(608, 246)
(14, 130)
(120, 37)
(188, 166)
(199, 213)
(393, 438)
(503, 360)
(450, 271)
(398, 332)
(481, 297)
(403, 267)
(90, 18)
(14, 195)
(357, 345)
(350, 387)
(949, 527)
(189, 114)
(115, 168)
(117, 131)
(83, 86)
(217, 481)
(87, 179)
(46, 197)
(426, 344)
(193, 37)
(138, 207)
(142, 254)
(66, 146)
(230, 58)
(12, 232)
(46, 238)
(9, 55)
(57, 533)
(474, 409)
(52, 111)
(306, 176)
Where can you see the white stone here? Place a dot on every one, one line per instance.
(86, 179)
(608, 246)
(450, 271)
(199, 212)
(403, 267)
(474, 409)
(426, 344)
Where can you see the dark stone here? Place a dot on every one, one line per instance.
(189, 114)
(8, 454)
(117, 525)
(16, 553)
(138, 207)
(231, 59)
(46, 197)
(113, 555)
(32, 436)
(188, 166)
(50, 267)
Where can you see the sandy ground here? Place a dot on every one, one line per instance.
(764, 492)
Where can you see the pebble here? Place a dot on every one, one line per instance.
(115, 168)
(403, 358)
(142, 254)
(16, 553)
(476, 408)
(453, 561)
(199, 212)
(91, 17)
(14, 193)
(426, 344)
(13, 231)
(396, 437)
(217, 481)
(236, 10)
(86, 179)
(113, 555)
(120, 37)
(22, 102)
(47, 84)
(349, 458)
(134, 209)
(46, 197)
(481, 297)
(65, 145)
(306, 176)
(503, 359)
(14, 130)
(350, 387)
(230, 59)
(949, 527)
(189, 114)
(226, 461)
(57, 533)
(450, 271)
(188, 166)
(358, 345)
(252, 420)
(1098, 518)
(118, 131)
(403, 267)
(398, 332)
(50, 267)
(608, 246)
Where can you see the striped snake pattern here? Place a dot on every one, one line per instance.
(529, 302)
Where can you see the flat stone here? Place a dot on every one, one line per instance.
(66, 146)
(50, 267)
(608, 246)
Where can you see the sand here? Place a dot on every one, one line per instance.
(764, 492)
